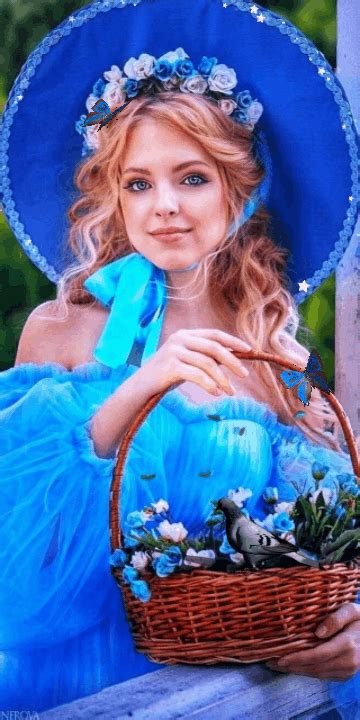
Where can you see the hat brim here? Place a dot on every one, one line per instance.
(307, 122)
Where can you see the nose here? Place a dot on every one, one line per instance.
(166, 202)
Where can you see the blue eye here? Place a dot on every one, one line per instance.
(134, 182)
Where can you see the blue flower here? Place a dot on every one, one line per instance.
(244, 99)
(130, 542)
(271, 495)
(80, 128)
(141, 590)
(240, 116)
(318, 470)
(351, 487)
(165, 564)
(163, 70)
(345, 478)
(98, 88)
(174, 554)
(183, 68)
(135, 519)
(206, 65)
(340, 511)
(282, 523)
(130, 574)
(225, 548)
(118, 558)
(131, 87)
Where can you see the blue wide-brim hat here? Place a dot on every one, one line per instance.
(307, 122)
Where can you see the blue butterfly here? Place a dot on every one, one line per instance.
(313, 376)
(102, 114)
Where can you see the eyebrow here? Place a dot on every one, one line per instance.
(178, 167)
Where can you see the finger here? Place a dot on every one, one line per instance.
(347, 613)
(222, 355)
(224, 337)
(333, 671)
(325, 652)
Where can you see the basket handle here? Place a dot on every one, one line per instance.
(115, 494)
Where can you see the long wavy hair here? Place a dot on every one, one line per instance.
(245, 274)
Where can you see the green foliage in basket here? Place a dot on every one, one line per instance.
(324, 521)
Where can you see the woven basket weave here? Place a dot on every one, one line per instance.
(204, 617)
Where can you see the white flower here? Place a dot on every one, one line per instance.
(90, 102)
(92, 137)
(222, 79)
(202, 553)
(254, 111)
(113, 94)
(284, 507)
(160, 506)
(227, 105)
(114, 75)
(141, 68)
(173, 55)
(140, 560)
(174, 531)
(237, 558)
(239, 495)
(329, 494)
(195, 84)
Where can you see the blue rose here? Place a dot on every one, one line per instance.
(318, 470)
(163, 567)
(351, 487)
(131, 87)
(345, 477)
(244, 99)
(130, 574)
(130, 542)
(174, 554)
(163, 70)
(271, 495)
(206, 65)
(80, 128)
(135, 519)
(282, 523)
(240, 116)
(98, 88)
(183, 68)
(141, 590)
(118, 558)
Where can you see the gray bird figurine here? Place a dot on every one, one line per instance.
(252, 540)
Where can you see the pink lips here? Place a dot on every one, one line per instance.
(171, 237)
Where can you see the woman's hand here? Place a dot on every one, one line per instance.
(195, 355)
(335, 659)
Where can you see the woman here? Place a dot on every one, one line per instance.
(71, 396)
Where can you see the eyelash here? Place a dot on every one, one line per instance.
(129, 186)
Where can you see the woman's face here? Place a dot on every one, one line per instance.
(160, 196)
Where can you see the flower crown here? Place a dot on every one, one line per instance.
(172, 71)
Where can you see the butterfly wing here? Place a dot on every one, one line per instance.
(101, 109)
(291, 377)
(304, 391)
(314, 372)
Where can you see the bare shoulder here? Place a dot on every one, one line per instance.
(48, 336)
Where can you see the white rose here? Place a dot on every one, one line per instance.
(174, 531)
(114, 75)
(227, 106)
(139, 560)
(254, 111)
(113, 94)
(141, 68)
(202, 553)
(160, 506)
(284, 507)
(222, 79)
(92, 137)
(195, 84)
(173, 55)
(239, 495)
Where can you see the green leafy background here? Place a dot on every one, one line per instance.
(23, 286)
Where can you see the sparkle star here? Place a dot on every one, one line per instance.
(351, 198)
(20, 97)
(343, 126)
(254, 9)
(260, 18)
(303, 286)
(321, 71)
(71, 18)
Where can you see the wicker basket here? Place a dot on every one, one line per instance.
(205, 617)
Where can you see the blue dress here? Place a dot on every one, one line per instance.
(63, 630)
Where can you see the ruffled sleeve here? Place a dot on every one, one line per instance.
(293, 459)
(54, 498)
